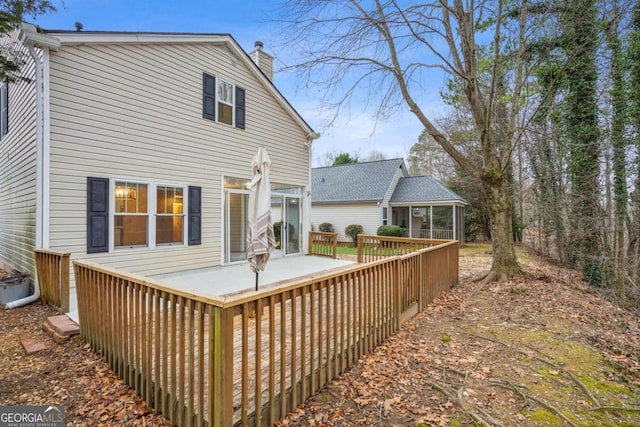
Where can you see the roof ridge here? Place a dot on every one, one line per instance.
(360, 163)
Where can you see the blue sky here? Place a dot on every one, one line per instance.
(247, 21)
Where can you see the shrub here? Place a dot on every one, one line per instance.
(326, 227)
(277, 232)
(391, 231)
(352, 231)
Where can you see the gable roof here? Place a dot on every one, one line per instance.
(423, 189)
(354, 182)
(52, 39)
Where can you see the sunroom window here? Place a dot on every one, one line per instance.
(131, 217)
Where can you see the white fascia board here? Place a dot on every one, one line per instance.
(428, 203)
(82, 37)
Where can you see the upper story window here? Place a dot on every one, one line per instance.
(225, 102)
(222, 101)
(4, 109)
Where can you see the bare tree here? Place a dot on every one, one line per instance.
(381, 51)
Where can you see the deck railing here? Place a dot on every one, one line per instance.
(251, 358)
(52, 268)
(323, 244)
(371, 248)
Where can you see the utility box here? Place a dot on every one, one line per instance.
(14, 286)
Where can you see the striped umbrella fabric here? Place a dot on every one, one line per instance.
(260, 237)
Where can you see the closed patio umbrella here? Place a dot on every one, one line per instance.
(260, 230)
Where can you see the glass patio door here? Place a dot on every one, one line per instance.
(292, 233)
(236, 217)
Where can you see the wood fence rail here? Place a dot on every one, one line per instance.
(371, 248)
(323, 244)
(52, 268)
(250, 358)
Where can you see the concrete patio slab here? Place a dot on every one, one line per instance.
(220, 281)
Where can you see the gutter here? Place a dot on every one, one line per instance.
(311, 136)
(31, 39)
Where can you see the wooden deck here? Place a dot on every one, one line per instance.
(252, 358)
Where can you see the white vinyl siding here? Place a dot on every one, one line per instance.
(18, 175)
(135, 111)
(343, 214)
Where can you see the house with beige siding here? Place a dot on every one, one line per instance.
(378, 193)
(134, 149)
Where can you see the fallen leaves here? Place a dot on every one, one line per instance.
(68, 374)
(440, 369)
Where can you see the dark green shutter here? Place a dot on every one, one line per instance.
(208, 96)
(97, 215)
(240, 104)
(195, 215)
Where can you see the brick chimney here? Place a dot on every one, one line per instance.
(263, 60)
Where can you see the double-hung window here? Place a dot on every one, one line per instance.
(131, 215)
(223, 101)
(169, 215)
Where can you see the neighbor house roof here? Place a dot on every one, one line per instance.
(353, 182)
(423, 189)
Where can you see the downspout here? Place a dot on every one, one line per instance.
(26, 36)
(311, 136)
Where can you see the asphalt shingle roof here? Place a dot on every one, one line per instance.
(421, 189)
(353, 182)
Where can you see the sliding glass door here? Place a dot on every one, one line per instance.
(236, 205)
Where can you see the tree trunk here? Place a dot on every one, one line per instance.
(499, 204)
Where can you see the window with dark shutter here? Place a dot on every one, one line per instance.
(240, 104)
(195, 215)
(208, 96)
(97, 215)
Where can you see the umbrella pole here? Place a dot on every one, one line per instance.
(256, 280)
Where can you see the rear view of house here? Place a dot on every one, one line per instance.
(134, 149)
(378, 193)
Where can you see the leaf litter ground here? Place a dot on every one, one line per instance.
(543, 349)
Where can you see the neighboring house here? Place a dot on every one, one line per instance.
(378, 193)
(134, 149)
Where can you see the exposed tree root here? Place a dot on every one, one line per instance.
(479, 416)
(517, 388)
(615, 408)
(511, 347)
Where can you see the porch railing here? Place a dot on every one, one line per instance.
(52, 268)
(371, 248)
(249, 359)
(323, 244)
(437, 233)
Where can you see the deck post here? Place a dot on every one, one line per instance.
(360, 239)
(223, 367)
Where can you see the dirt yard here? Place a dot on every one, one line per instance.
(541, 350)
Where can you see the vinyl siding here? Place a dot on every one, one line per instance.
(392, 187)
(341, 215)
(18, 173)
(134, 111)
